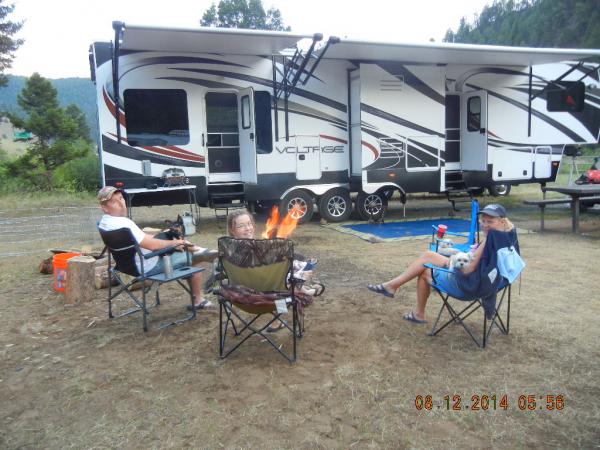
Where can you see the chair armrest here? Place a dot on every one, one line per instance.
(443, 269)
(161, 252)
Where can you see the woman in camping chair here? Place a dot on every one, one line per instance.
(493, 217)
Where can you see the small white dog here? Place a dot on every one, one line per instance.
(460, 260)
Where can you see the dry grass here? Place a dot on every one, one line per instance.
(71, 378)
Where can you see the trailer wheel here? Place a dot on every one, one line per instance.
(370, 205)
(299, 203)
(499, 190)
(335, 205)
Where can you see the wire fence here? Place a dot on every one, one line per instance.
(31, 231)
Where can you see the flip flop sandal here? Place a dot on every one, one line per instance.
(411, 318)
(203, 305)
(379, 289)
(271, 329)
(315, 289)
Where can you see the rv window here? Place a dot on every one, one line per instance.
(566, 96)
(474, 114)
(262, 117)
(246, 123)
(156, 117)
(221, 112)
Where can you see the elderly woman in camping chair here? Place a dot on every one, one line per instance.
(493, 217)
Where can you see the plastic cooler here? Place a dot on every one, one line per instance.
(59, 267)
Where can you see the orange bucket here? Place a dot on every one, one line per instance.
(59, 267)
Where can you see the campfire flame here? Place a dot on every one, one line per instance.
(278, 229)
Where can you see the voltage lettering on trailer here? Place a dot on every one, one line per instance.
(311, 149)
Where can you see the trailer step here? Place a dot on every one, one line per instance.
(459, 196)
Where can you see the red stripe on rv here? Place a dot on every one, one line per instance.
(112, 108)
(331, 138)
(166, 152)
(370, 147)
(178, 149)
(188, 157)
(493, 134)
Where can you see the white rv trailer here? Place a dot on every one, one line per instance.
(244, 118)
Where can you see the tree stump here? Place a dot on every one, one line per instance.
(80, 279)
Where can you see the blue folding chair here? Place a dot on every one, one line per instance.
(489, 290)
(471, 305)
(123, 248)
(471, 238)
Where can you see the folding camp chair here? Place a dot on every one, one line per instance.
(254, 276)
(123, 248)
(464, 307)
(471, 238)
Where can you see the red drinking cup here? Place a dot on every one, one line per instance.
(441, 231)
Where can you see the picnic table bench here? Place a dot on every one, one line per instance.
(574, 201)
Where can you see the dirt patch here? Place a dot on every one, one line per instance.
(70, 377)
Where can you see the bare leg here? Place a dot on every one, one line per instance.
(197, 288)
(423, 291)
(415, 269)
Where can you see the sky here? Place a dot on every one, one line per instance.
(58, 33)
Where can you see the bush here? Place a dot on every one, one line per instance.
(78, 174)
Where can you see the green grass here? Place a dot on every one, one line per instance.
(40, 199)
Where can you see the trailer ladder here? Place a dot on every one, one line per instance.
(292, 69)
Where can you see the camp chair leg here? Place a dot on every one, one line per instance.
(228, 309)
(144, 310)
(461, 316)
(454, 317)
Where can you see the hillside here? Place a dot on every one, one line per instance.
(79, 91)
(533, 23)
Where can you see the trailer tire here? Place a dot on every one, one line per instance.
(335, 205)
(477, 192)
(300, 203)
(499, 190)
(369, 205)
(264, 206)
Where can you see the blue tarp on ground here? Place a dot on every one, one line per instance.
(391, 230)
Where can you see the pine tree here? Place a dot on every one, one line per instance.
(248, 14)
(60, 135)
(8, 45)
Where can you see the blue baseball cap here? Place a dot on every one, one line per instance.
(494, 210)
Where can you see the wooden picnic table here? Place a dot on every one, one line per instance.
(576, 192)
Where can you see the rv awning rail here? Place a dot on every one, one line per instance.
(449, 53)
(208, 40)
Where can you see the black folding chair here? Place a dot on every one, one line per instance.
(123, 248)
(459, 309)
(253, 275)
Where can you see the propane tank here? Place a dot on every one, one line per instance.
(188, 224)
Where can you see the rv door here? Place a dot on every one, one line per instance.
(247, 135)
(473, 131)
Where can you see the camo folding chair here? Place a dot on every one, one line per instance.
(490, 291)
(470, 239)
(254, 281)
(123, 248)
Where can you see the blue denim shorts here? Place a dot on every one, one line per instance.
(178, 259)
(447, 282)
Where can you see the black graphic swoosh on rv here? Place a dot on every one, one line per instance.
(554, 123)
(269, 83)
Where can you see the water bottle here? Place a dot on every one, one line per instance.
(167, 265)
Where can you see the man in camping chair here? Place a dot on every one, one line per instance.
(115, 218)
(255, 279)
